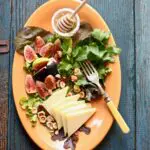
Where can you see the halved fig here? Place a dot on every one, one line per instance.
(41, 89)
(50, 82)
(30, 84)
(45, 51)
(58, 44)
(39, 43)
(29, 54)
(39, 63)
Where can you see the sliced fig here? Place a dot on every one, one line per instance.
(45, 51)
(41, 89)
(57, 44)
(30, 84)
(50, 82)
(39, 63)
(29, 54)
(39, 42)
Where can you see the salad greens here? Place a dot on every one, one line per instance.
(30, 105)
(95, 48)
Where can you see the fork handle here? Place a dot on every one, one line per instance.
(116, 114)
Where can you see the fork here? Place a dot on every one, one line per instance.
(92, 75)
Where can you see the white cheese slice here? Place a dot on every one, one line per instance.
(55, 97)
(56, 106)
(76, 119)
(76, 108)
(57, 111)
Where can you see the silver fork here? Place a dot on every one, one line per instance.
(92, 75)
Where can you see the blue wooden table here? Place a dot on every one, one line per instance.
(129, 21)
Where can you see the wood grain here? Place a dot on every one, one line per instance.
(120, 18)
(17, 137)
(142, 19)
(4, 66)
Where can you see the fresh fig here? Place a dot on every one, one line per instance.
(50, 82)
(29, 54)
(49, 69)
(39, 63)
(57, 44)
(30, 84)
(45, 51)
(39, 43)
(41, 89)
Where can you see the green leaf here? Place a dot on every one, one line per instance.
(67, 46)
(53, 38)
(113, 50)
(100, 35)
(103, 71)
(82, 82)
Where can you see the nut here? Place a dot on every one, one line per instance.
(34, 110)
(41, 113)
(55, 125)
(42, 119)
(76, 89)
(69, 94)
(49, 118)
(58, 76)
(62, 84)
(56, 132)
(49, 125)
(58, 83)
(64, 78)
(82, 94)
(59, 54)
(51, 132)
(74, 78)
(77, 71)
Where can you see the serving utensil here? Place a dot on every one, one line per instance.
(92, 75)
(66, 22)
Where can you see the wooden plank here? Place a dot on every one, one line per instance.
(120, 18)
(142, 22)
(17, 137)
(4, 65)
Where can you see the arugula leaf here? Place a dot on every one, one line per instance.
(82, 81)
(67, 46)
(103, 72)
(28, 104)
(64, 67)
(100, 35)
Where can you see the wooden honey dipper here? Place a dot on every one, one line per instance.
(67, 22)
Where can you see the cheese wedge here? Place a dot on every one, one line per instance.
(71, 99)
(71, 109)
(76, 119)
(57, 114)
(55, 97)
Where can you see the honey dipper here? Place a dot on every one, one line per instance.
(67, 22)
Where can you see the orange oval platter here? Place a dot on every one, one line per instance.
(101, 122)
